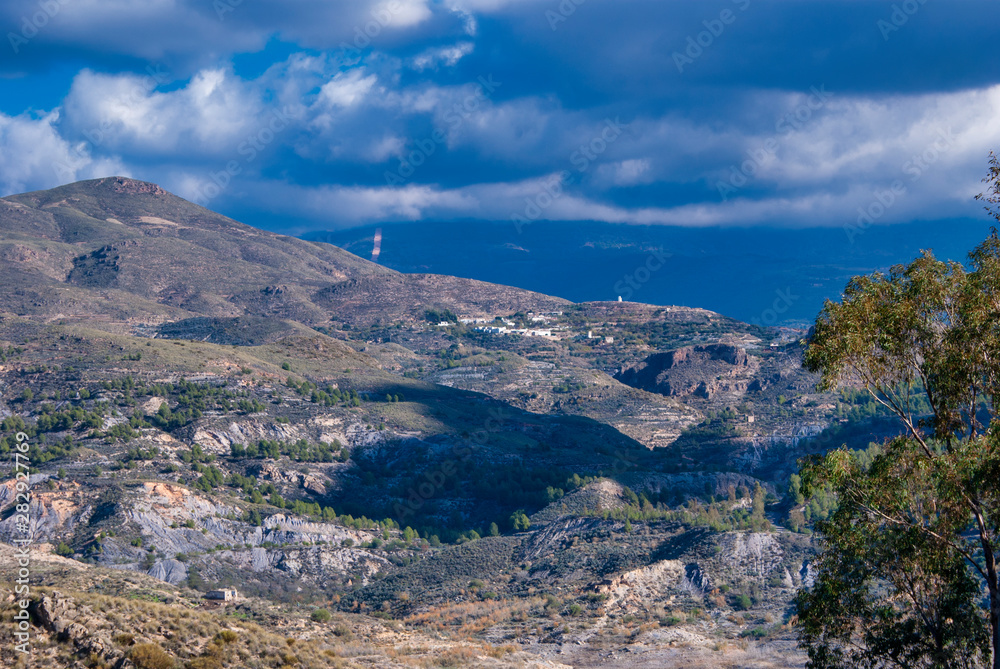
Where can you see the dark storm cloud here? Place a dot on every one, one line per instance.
(695, 113)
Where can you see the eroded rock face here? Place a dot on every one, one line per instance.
(171, 571)
(753, 555)
(692, 370)
(77, 625)
(634, 590)
(52, 514)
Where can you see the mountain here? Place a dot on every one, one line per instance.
(392, 469)
(131, 251)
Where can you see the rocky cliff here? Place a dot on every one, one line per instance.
(702, 370)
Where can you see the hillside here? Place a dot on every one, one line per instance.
(130, 251)
(447, 465)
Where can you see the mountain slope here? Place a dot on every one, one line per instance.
(214, 406)
(130, 250)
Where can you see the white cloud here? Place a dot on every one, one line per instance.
(124, 113)
(626, 172)
(823, 160)
(405, 12)
(448, 56)
(934, 144)
(34, 156)
(347, 88)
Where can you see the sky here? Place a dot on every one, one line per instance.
(322, 114)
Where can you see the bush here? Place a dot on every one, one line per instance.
(63, 549)
(227, 636)
(742, 603)
(150, 656)
(320, 615)
(756, 633)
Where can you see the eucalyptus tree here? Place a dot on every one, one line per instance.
(908, 562)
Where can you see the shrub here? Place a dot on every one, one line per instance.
(150, 656)
(742, 603)
(320, 615)
(227, 636)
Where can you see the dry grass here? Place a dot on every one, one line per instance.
(472, 618)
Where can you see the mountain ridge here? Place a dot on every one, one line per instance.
(124, 237)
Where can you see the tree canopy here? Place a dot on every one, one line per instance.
(908, 564)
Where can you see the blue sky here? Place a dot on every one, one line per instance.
(325, 114)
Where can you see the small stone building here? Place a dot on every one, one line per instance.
(222, 595)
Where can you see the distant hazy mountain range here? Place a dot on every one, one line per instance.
(765, 275)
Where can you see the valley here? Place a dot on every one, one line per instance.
(385, 481)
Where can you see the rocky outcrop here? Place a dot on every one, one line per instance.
(314, 483)
(170, 571)
(702, 370)
(51, 514)
(220, 438)
(133, 186)
(753, 555)
(77, 625)
(636, 589)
